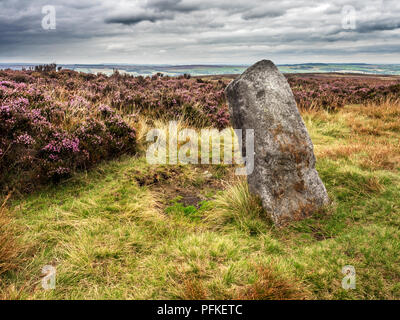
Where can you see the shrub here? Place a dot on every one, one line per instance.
(43, 138)
(331, 93)
(52, 123)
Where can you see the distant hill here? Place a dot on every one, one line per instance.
(201, 70)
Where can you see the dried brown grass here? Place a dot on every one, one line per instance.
(337, 152)
(194, 290)
(374, 139)
(9, 247)
(381, 156)
(271, 286)
(376, 119)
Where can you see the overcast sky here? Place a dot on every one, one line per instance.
(200, 31)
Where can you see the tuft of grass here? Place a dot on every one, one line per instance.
(193, 290)
(237, 205)
(268, 285)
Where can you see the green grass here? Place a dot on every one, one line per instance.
(112, 234)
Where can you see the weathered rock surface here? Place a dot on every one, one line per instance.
(284, 173)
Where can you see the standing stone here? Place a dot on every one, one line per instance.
(284, 173)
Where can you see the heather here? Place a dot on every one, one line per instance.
(334, 92)
(47, 138)
(54, 123)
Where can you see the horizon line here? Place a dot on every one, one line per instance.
(192, 64)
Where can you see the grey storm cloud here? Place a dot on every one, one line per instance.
(153, 11)
(379, 26)
(256, 14)
(199, 31)
(171, 5)
(132, 19)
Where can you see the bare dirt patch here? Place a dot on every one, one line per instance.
(190, 184)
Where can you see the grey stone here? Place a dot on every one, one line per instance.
(284, 173)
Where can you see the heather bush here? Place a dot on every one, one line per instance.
(45, 135)
(56, 122)
(331, 93)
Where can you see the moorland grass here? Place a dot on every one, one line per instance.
(128, 230)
